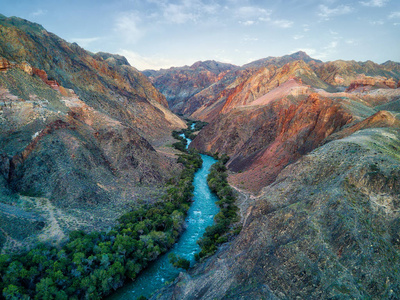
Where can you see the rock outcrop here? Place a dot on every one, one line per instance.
(263, 140)
(362, 83)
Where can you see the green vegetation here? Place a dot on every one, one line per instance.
(179, 262)
(188, 132)
(90, 266)
(226, 220)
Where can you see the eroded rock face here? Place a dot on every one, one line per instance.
(103, 81)
(4, 64)
(262, 141)
(77, 136)
(180, 84)
(366, 82)
(327, 228)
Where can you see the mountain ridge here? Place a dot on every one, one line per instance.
(80, 135)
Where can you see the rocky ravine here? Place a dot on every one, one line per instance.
(78, 137)
(326, 228)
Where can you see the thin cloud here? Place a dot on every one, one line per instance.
(84, 42)
(394, 15)
(247, 23)
(328, 50)
(380, 22)
(250, 39)
(149, 62)
(298, 37)
(182, 12)
(351, 42)
(374, 3)
(250, 15)
(178, 14)
(37, 13)
(326, 12)
(248, 12)
(127, 24)
(282, 23)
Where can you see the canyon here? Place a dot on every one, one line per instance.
(314, 152)
(313, 146)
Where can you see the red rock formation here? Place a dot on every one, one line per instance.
(262, 141)
(362, 83)
(26, 67)
(382, 118)
(390, 83)
(253, 84)
(4, 64)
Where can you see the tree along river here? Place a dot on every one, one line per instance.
(200, 215)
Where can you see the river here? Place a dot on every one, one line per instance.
(200, 216)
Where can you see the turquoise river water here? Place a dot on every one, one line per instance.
(200, 215)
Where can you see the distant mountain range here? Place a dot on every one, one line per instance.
(254, 106)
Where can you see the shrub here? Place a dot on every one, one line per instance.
(224, 221)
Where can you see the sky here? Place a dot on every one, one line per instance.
(154, 34)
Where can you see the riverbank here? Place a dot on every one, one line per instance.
(200, 215)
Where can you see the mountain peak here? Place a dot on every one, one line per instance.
(281, 60)
(22, 24)
(300, 55)
(212, 66)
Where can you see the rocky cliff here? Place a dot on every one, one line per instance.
(79, 134)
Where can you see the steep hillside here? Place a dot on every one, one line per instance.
(78, 136)
(327, 228)
(104, 82)
(342, 73)
(180, 84)
(262, 140)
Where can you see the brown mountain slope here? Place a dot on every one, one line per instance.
(114, 88)
(77, 137)
(179, 84)
(263, 140)
(243, 85)
(264, 123)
